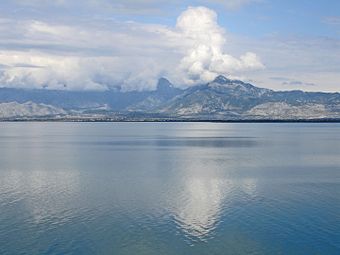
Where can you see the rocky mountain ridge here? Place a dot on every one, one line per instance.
(220, 99)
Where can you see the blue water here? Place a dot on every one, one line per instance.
(169, 188)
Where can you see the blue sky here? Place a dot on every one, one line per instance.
(89, 44)
(285, 18)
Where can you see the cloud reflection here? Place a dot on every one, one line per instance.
(47, 196)
(204, 201)
(208, 186)
(200, 211)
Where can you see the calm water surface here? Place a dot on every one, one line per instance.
(169, 188)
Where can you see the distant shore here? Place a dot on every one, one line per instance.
(89, 120)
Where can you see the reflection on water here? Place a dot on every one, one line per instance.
(200, 209)
(169, 188)
(48, 193)
(182, 142)
(204, 193)
(202, 203)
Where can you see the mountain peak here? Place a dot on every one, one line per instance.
(221, 79)
(164, 85)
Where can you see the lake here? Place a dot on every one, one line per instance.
(169, 188)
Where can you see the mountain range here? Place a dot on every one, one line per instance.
(220, 99)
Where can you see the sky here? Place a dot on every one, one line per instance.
(100, 44)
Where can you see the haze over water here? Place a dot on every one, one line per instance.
(169, 188)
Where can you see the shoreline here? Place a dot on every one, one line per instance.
(108, 120)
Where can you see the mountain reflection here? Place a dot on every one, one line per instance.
(218, 142)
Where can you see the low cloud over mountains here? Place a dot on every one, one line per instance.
(99, 56)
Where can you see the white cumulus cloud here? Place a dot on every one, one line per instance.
(205, 57)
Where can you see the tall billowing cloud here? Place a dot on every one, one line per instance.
(205, 57)
(99, 55)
